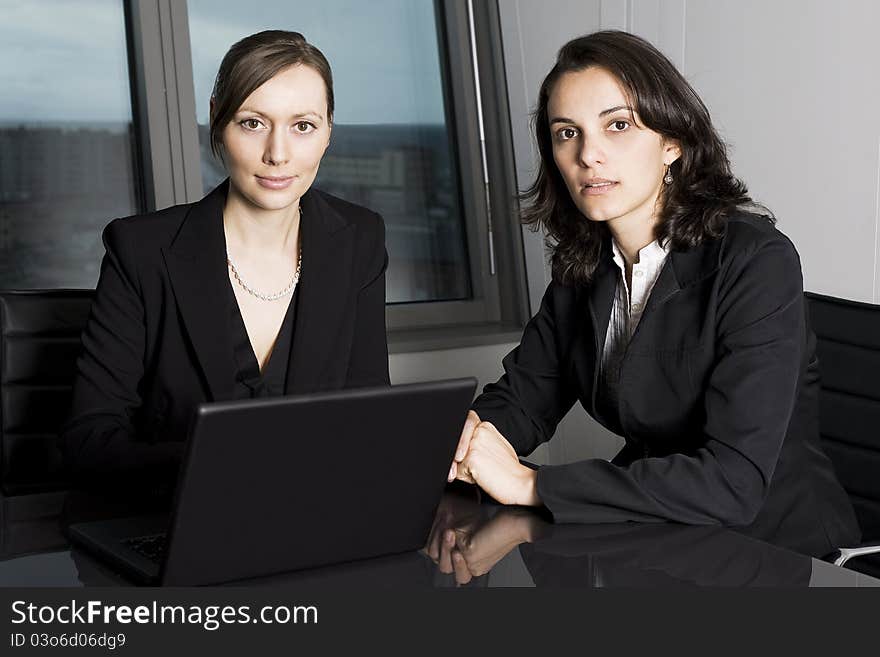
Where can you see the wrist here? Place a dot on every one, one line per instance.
(529, 488)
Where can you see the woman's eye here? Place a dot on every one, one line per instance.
(304, 127)
(619, 126)
(251, 124)
(566, 133)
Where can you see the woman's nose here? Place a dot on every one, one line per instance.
(591, 152)
(277, 148)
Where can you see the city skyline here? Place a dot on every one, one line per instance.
(60, 185)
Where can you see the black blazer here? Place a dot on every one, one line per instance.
(718, 397)
(157, 341)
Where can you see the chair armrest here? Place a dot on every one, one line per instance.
(847, 553)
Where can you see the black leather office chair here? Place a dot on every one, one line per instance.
(39, 343)
(848, 346)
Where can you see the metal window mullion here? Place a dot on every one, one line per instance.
(162, 70)
(483, 159)
(461, 117)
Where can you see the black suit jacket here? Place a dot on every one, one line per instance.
(157, 342)
(718, 397)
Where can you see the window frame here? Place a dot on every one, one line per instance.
(164, 108)
(164, 98)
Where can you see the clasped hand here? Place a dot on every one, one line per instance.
(485, 458)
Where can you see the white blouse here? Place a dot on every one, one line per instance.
(627, 311)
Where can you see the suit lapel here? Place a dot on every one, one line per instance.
(600, 301)
(196, 262)
(325, 293)
(681, 270)
(664, 288)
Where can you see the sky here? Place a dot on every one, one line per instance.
(64, 60)
(383, 52)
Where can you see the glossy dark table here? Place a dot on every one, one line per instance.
(491, 546)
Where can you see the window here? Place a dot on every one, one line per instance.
(392, 147)
(412, 87)
(67, 146)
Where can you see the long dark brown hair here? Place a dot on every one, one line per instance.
(251, 62)
(691, 209)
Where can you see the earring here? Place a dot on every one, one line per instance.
(668, 177)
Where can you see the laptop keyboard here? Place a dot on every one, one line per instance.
(152, 547)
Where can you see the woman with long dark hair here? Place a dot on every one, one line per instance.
(675, 317)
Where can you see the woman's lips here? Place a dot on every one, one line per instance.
(276, 182)
(597, 189)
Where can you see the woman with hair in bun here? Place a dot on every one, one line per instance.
(265, 287)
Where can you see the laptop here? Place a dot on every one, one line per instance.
(274, 485)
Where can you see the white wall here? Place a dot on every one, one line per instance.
(483, 362)
(793, 86)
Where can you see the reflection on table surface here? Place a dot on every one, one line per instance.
(472, 543)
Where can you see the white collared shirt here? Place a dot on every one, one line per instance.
(626, 312)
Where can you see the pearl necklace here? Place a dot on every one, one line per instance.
(267, 297)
